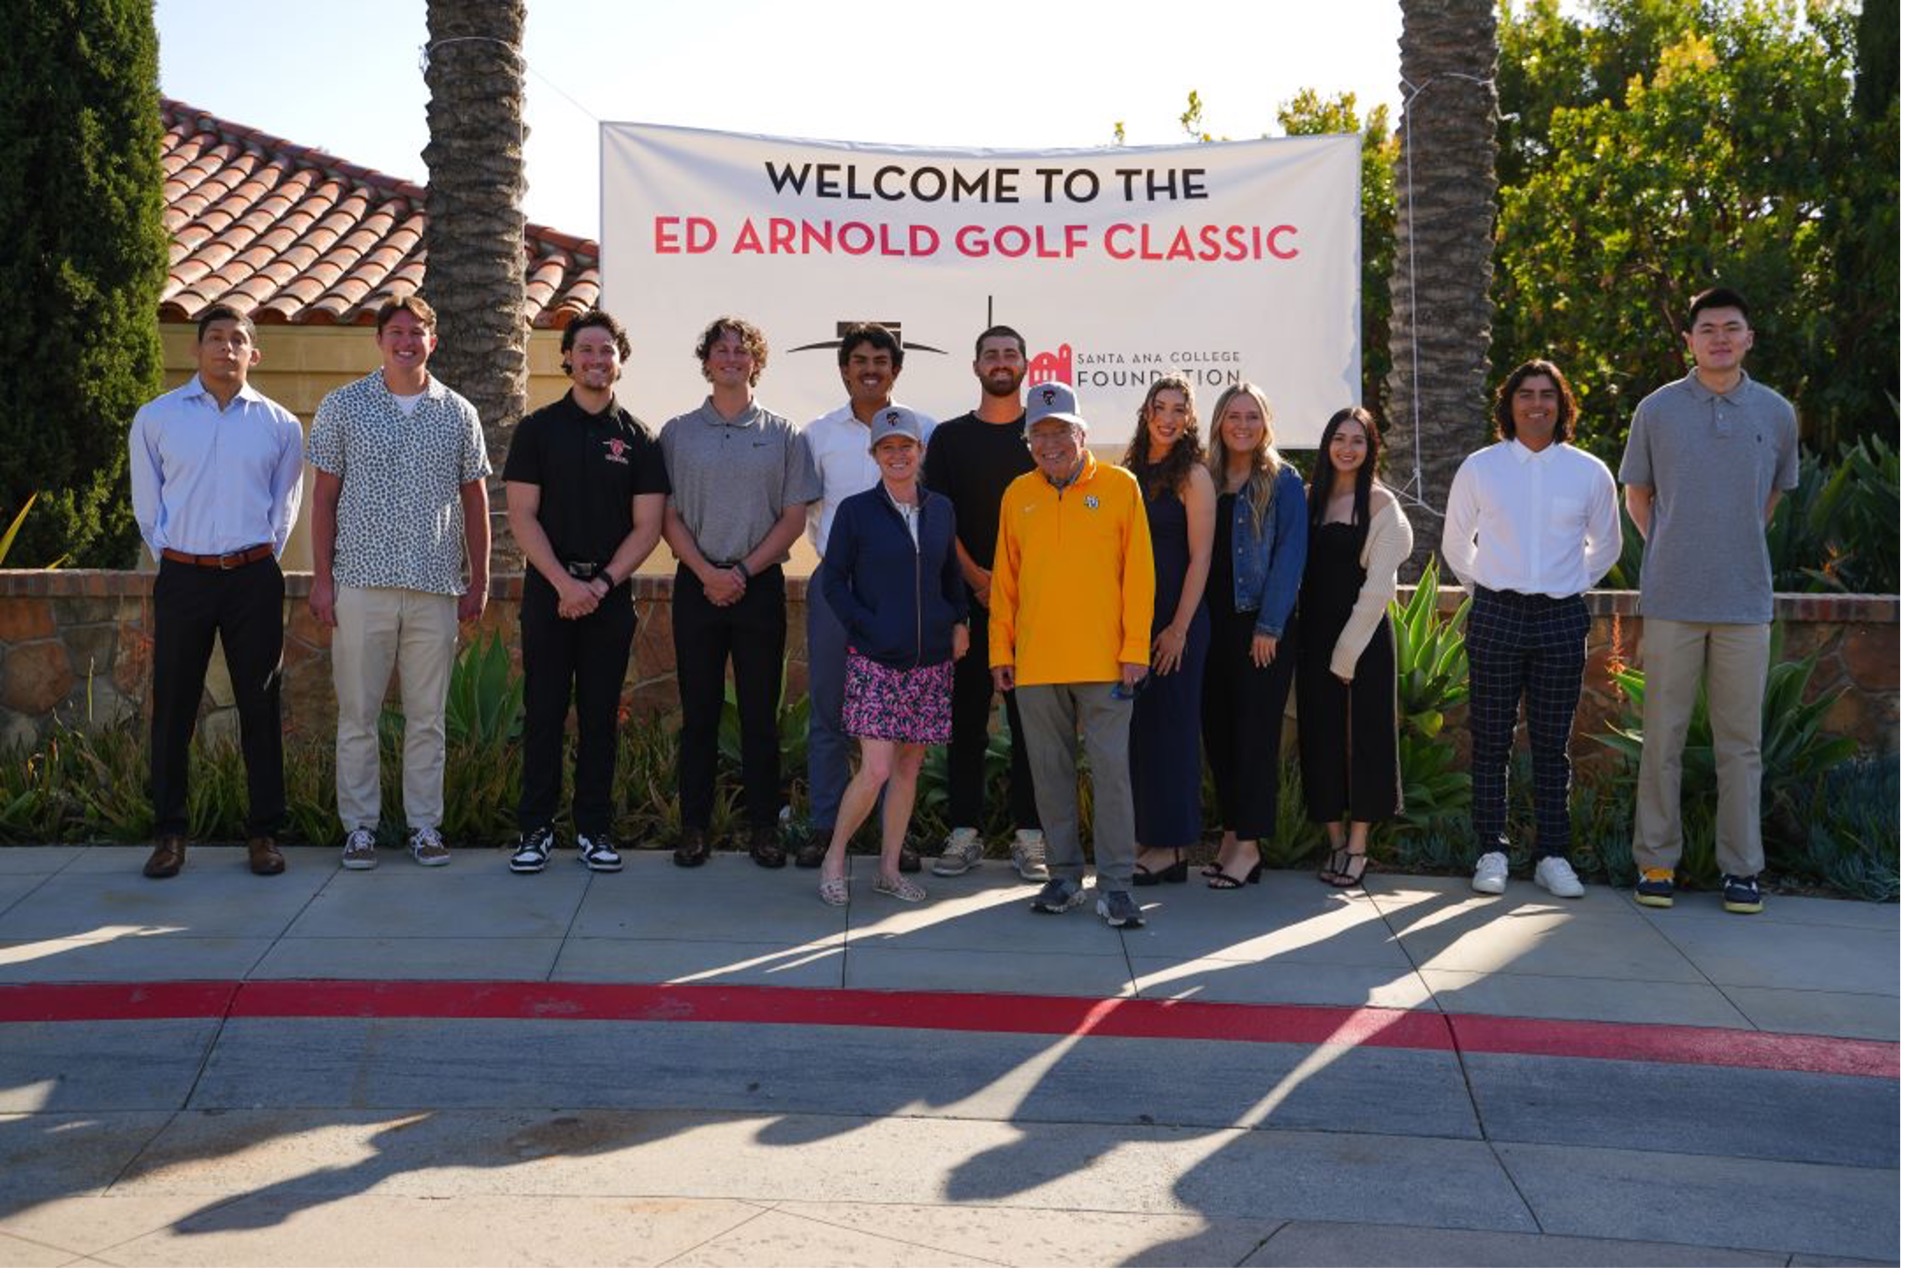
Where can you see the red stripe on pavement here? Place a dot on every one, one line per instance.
(957, 1011)
(1663, 1043)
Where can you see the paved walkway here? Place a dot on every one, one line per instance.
(458, 1066)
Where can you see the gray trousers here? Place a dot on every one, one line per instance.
(1055, 719)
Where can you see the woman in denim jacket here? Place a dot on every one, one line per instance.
(1257, 562)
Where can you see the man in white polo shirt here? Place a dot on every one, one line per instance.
(1531, 524)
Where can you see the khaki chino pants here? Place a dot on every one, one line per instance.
(417, 633)
(1734, 661)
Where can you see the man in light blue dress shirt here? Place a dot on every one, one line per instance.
(217, 469)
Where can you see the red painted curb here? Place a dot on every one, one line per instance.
(1354, 1026)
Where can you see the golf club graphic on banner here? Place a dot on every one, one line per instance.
(1221, 262)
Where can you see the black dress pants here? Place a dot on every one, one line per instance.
(244, 608)
(967, 745)
(1243, 715)
(751, 632)
(589, 655)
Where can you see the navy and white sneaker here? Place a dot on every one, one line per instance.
(1741, 894)
(1059, 895)
(1119, 910)
(533, 850)
(598, 852)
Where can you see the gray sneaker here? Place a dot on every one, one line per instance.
(360, 850)
(1059, 896)
(1119, 910)
(961, 851)
(427, 847)
(1030, 854)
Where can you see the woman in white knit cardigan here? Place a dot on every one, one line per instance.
(1347, 672)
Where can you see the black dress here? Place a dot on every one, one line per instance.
(1164, 744)
(1348, 735)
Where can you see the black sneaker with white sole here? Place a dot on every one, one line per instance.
(598, 852)
(1059, 895)
(533, 850)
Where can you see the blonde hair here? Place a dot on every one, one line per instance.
(1266, 462)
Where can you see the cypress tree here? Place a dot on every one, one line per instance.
(81, 218)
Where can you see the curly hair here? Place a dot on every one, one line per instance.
(1169, 474)
(1566, 428)
(745, 332)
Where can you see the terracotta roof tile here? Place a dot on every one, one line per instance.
(300, 236)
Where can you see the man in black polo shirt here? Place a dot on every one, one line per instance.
(586, 485)
(970, 460)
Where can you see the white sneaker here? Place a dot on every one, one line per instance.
(1030, 854)
(1555, 874)
(961, 851)
(1493, 873)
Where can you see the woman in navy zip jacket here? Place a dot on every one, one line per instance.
(890, 572)
(1258, 561)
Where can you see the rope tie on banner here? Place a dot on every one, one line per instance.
(523, 65)
(1413, 491)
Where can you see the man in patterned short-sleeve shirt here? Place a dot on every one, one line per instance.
(400, 539)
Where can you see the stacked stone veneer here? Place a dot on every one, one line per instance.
(78, 645)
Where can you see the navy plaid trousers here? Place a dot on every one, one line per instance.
(1528, 647)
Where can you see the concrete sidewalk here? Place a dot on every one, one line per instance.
(228, 1138)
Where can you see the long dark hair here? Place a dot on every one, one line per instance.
(1566, 427)
(1169, 475)
(1323, 474)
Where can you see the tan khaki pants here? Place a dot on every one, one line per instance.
(417, 633)
(1733, 659)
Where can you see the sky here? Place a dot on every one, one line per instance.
(345, 76)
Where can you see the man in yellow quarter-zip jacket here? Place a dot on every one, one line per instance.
(1069, 629)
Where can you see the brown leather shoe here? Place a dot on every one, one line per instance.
(694, 850)
(168, 856)
(765, 848)
(266, 860)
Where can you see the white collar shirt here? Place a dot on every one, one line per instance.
(1540, 522)
(838, 443)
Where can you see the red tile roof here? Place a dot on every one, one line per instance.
(298, 236)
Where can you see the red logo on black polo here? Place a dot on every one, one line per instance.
(616, 449)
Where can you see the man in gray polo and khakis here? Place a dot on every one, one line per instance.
(1707, 459)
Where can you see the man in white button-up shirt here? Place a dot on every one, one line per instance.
(1530, 526)
(216, 473)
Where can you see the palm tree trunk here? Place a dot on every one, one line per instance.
(473, 243)
(1437, 392)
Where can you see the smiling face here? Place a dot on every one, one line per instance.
(1719, 340)
(225, 354)
(1167, 417)
(898, 457)
(1001, 366)
(1056, 446)
(595, 360)
(406, 344)
(731, 363)
(868, 375)
(1242, 426)
(1534, 406)
(1348, 447)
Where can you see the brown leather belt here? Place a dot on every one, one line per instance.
(223, 561)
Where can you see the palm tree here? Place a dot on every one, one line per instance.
(1440, 286)
(473, 240)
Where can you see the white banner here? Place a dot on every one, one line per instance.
(1224, 262)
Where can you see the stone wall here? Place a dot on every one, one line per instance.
(77, 644)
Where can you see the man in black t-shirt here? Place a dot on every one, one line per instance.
(586, 486)
(970, 460)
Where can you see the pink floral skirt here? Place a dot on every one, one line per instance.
(902, 705)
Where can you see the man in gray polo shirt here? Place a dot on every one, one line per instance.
(740, 479)
(1707, 459)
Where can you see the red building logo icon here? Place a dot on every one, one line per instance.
(1051, 365)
